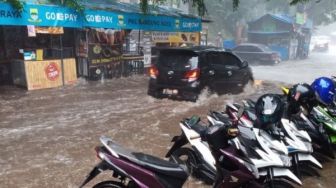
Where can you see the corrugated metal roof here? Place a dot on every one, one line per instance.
(280, 17)
(283, 18)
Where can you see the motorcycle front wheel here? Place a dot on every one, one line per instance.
(109, 184)
(184, 156)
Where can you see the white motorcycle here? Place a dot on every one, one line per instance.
(298, 142)
(201, 163)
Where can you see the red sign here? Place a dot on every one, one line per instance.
(52, 71)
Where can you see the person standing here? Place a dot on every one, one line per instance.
(219, 40)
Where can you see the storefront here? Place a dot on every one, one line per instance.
(281, 33)
(36, 57)
(96, 38)
(275, 31)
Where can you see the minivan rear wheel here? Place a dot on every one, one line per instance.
(276, 62)
(156, 93)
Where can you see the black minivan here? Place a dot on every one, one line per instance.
(182, 73)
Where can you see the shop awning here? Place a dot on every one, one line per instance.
(268, 33)
(99, 14)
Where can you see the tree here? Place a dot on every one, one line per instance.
(321, 11)
(75, 4)
(144, 4)
(15, 3)
(225, 18)
(201, 4)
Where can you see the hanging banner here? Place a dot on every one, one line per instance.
(31, 31)
(49, 30)
(105, 46)
(162, 37)
(147, 48)
(55, 16)
(39, 15)
(300, 18)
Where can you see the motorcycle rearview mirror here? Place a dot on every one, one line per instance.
(240, 112)
(239, 115)
(233, 132)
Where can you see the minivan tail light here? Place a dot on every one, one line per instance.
(275, 56)
(153, 72)
(192, 75)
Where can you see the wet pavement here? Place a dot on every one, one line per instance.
(47, 137)
(294, 71)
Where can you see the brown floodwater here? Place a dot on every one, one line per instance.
(47, 137)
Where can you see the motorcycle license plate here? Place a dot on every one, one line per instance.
(170, 91)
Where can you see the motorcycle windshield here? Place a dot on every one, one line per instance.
(322, 116)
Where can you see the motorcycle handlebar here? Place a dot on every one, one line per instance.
(195, 137)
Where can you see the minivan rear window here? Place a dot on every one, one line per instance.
(182, 60)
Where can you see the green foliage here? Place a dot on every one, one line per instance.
(74, 4)
(16, 4)
(321, 11)
(201, 4)
(295, 2)
(225, 17)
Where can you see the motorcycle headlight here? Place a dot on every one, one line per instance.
(321, 129)
(309, 146)
(253, 169)
(287, 161)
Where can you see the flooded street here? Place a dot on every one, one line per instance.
(47, 137)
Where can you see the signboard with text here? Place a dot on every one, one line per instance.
(147, 48)
(175, 37)
(56, 16)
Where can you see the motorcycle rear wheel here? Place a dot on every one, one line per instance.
(278, 183)
(109, 184)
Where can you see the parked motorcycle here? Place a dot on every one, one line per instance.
(320, 116)
(202, 161)
(135, 169)
(297, 142)
(315, 129)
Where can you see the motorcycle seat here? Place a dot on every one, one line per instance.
(162, 166)
(199, 127)
(151, 162)
(222, 117)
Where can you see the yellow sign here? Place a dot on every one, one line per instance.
(49, 30)
(176, 37)
(107, 60)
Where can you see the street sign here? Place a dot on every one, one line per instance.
(147, 38)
